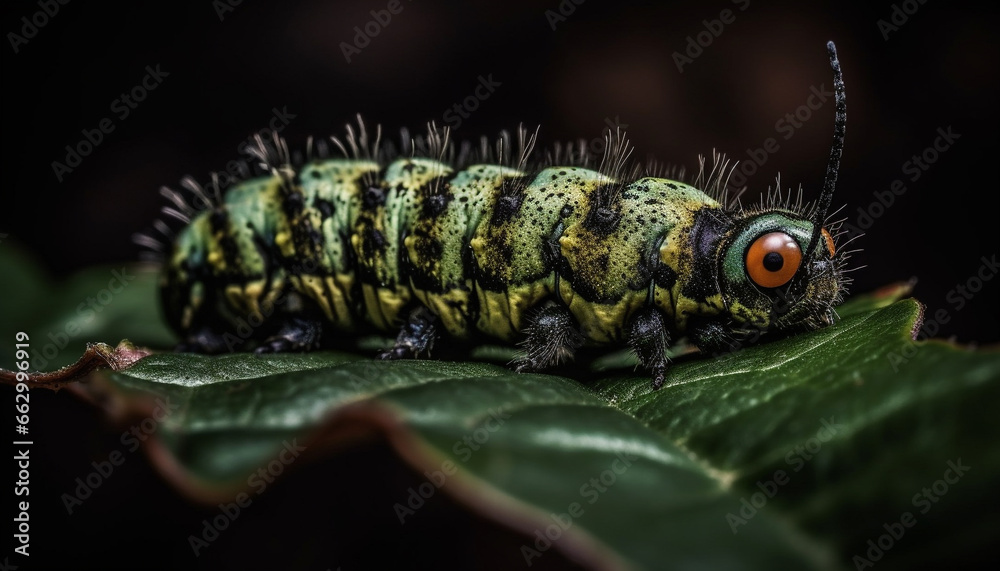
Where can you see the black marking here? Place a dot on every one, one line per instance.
(665, 276)
(603, 216)
(486, 277)
(373, 197)
(602, 220)
(509, 200)
(293, 202)
(219, 221)
(377, 240)
(421, 271)
(436, 193)
(507, 206)
(710, 225)
(435, 205)
(325, 207)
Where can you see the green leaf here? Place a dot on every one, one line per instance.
(525, 445)
(882, 297)
(861, 420)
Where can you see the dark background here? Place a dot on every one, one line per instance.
(605, 60)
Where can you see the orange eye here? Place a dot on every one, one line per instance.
(829, 243)
(773, 259)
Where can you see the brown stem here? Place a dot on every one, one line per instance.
(97, 356)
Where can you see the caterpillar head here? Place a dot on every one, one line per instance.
(773, 275)
(779, 266)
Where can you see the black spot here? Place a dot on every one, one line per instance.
(373, 197)
(292, 204)
(373, 243)
(773, 261)
(315, 174)
(665, 276)
(325, 207)
(566, 211)
(488, 277)
(378, 239)
(506, 251)
(602, 220)
(435, 205)
(218, 220)
(506, 207)
(436, 195)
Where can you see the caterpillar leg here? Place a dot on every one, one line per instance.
(553, 337)
(712, 336)
(646, 333)
(416, 336)
(296, 334)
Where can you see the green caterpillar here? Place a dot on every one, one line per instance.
(552, 254)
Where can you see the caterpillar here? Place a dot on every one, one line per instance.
(437, 239)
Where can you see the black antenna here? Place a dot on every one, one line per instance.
(787, 296)
(836, 150)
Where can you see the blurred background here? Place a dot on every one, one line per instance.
(684, 77)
